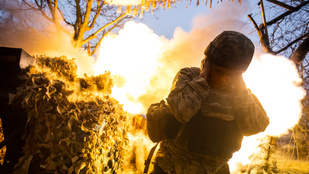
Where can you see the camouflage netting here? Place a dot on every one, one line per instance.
(3, 149)
(73, 126)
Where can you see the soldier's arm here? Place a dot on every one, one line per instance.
(250, 114)
(185, 98)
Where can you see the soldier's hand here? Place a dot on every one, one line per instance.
(205, 69)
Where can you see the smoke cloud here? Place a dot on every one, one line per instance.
(186, 49)
(29, 30)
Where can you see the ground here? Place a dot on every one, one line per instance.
(285, 166)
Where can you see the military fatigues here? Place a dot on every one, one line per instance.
(213, 125)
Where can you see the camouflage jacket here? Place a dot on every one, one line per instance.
(185, 100)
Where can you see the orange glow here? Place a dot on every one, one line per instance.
(275, 81)
(124, 2)
(134, 57)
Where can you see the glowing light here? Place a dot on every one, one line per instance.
(144, 144)
(124, 2)
(134, 57)
(131, 57)
(275, 81)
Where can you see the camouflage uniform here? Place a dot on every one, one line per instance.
(191, 94)
(213, 122)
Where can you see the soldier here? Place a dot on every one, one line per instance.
(212, 109)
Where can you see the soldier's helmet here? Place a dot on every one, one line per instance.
(230, 49)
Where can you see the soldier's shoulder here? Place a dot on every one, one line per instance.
(191, 70)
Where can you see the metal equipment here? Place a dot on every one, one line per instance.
(12, 63)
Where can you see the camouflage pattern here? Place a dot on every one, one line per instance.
(174, 159)
(186, 94)
(186, 99)
(230, 49)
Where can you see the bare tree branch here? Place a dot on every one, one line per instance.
(301, 52)
(291, 43)
(64, 19)
(287, 13)
(97, 13)
(262, 35)
(52, 9)
(104, 34)
(78, 20)
(282, 5)
(84, 25)
(92, 36)
(264, 22)
(253, 21)
(85, 16)
(40, 9)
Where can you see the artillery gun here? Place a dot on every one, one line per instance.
(13, 62)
